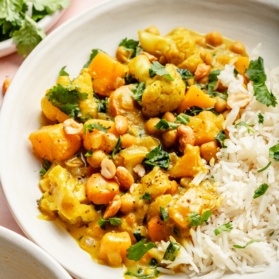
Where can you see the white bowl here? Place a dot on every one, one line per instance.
(21, 258)
(8, 47)
(104, 26)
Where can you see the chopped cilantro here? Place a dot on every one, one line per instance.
(137, 235)
(160, 70)
(221, 136)
(101, 103)
(271, 234)
(264, 168)
(260, 191)
(114, 221)
(67, 99)
(91, 126)
(196, 220)
(89, 153)
(185, 74)
(172, 251)
(223, 228)
(196, 110)
(244, 246)
(146, 196)
(212, 78)
(45, 166)
(131, 45)
(182, 118)
(138, 250)
(138, 91)
(274, 152)
(116, 148)
(244, 124)
(260, 118)
(157, 157)
(256, 73)
(63, 73)
(163, 124)
(164, 214)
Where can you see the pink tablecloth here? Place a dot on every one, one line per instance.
(8, 68)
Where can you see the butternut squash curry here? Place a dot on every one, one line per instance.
(124, 143)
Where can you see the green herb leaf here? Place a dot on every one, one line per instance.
(138, 250)
(89, 153)
(274, 152)
(62, 72)
(164, 214)
(129, 43)
(101, 103)
(137, 235)
(116, 148)
(50, 6)
(260, 118)
(271, 234)
(223, 228)
(195, 219)
(172, 251)
(263, 169)
(66, 99)
(146, 196)
(114, 221)
(45, 166)
(248, 243)
(244, 124)
(163, 124)
(91, 126)
(185, 74)
(157, 157)
(159, 69)
(256, 73)
(182, 118)
(221, 136)
(260, 191)
(196, 110)
(138, 91)
(213, 75)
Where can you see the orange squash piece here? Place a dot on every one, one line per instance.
(107, 74)
(241, 64)
(196, 97)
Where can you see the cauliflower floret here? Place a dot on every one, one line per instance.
(162, 95)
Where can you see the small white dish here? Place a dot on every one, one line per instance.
(21, 258)
(104, 26)
(8, 47)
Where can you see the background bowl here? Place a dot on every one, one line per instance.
(104, 26)
(21, 258)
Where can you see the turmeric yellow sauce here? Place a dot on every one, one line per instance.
(123, 141)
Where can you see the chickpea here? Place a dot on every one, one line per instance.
(169, 116)
(150, 125)
(238, 48)
(220, 105)
(214, 38)
(121, 124)
(96, 158)
(169, 138)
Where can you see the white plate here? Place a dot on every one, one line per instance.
(21, 258)
(103, 27)
(7, 47)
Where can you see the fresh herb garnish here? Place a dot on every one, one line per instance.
(274, 152)
(89, 153)
(114, 221)
(158, 69)
(196, 110)
(244, 246)
(172, 251)
(264, 168)
(63, 73)
(244, 124)
(45, 166)
(146, 196)
(91, 126)
(138, 91)
(256, 73)
(132, 45)
(101, 103)
(221, 136)
(163, 124)
(138, 250)
(182, 118)
(185, 74)
(212, 78)
(116, 148)
(223, 228)
(137, 235)
(66, 99)
(164, 214)
(157, 157)
(195, 219)
(260, 190)
(260, 118)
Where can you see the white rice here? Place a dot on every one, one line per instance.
(209, 256)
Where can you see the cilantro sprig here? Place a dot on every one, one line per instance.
(138, 91)
(163, 124)
(221, 136)
(131, 45)
(91, 126)
(247, 244)
(260, 190)
(274, 152)
(244, 124)
(256, 73)
(158, 69)
(138, 250)
(195, 219)
(114, 221)
(172, 251)
(223, 228)
(157, 157)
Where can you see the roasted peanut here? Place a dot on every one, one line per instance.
(202, 71)
(96, 158)
(121, 124)
(124, 177)
(139, 170)
(239, 99)
(108, 169)
(71, 127)
(112, 207)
